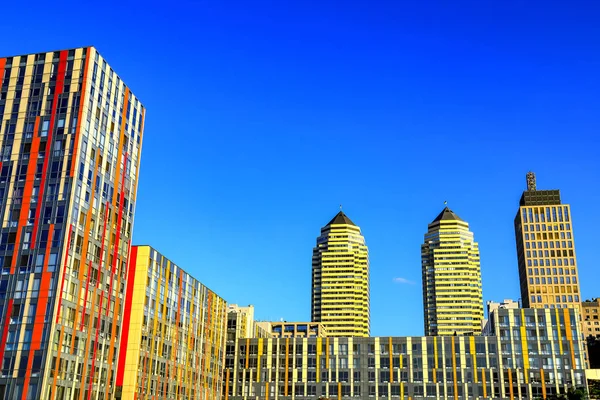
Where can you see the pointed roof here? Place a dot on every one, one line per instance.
(341, 219)
(445, 215)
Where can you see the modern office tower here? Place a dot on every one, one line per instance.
(173, 339)
(546, 249)
(543, 358)
(452, 296)
(70, 141)
(590, 315)
(340, 279)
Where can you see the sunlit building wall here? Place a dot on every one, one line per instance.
(173, 340)
(340, 279)
(70, 141)
(451, 274)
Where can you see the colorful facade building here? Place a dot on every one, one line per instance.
(451, 274)
(173, 341)
(70, 141)
(533, 353)
(340, 279)
(546, 249)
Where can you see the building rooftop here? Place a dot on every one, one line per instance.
(341, 219)
(445, 215)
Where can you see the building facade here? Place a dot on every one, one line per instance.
(546, 249)
(533, 353)
(340, 279)
(492, 306)
(590, 318)
(451, 274)
(241, 323)
(297, 329)
(173, 341)
(70, 141)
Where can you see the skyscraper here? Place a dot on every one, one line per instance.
(452, 296)
(546, 249)
(340, 279)
(70, 140)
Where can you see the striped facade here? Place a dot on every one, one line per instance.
(340, 297)
(173, 336)
(70, 141)
(533, 353)
(451, 274)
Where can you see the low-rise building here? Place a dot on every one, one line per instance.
(533, 353)
(297, 329)
(241, 323)
(486, 327)
(590, 317)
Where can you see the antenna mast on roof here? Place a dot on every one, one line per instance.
(531, 181)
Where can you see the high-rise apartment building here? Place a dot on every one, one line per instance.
(340, 279)
(70, 141)
(451, 273)
(546, 249)
(173, 340)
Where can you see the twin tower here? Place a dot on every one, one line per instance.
(451, 272)
(452, 295)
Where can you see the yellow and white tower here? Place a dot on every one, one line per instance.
(340, 279)
(452, 296)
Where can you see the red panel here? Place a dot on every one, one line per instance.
(5, 329)
(26, 201)
(40, 314)
(118, 232)
(2, 65)
(87, 289)
(92, 369)
(126, 314)
(64, 272)
(80, 115)
(62, 66)
(120, 216)
(102, 249)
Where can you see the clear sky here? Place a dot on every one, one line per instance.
(264, 117)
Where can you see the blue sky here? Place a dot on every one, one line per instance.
(263, 117)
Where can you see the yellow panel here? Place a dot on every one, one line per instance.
(524, 348)
(454, 370)
(473, 357)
